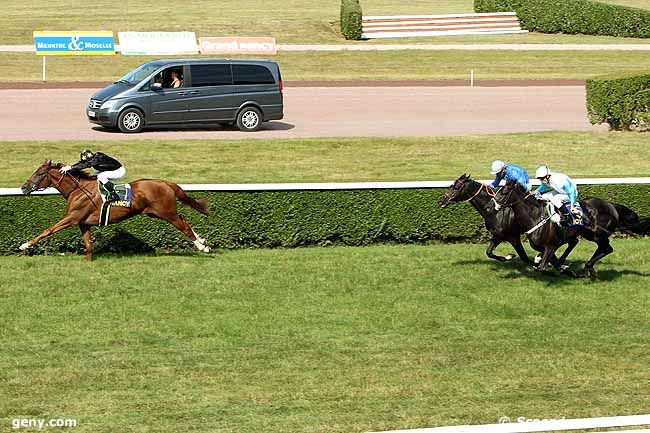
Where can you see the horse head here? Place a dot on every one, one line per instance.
(508, 195)
(458, 191)
(40, 179)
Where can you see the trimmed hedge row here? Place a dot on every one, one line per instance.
(621, 101)
(351, 19)
(574, 16)
(278, 219)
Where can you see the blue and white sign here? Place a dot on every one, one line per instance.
(74, 43)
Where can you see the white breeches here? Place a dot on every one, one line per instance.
(558, 200)
(105, 176)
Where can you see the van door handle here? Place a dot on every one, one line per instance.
(194, 92)
(182, 93)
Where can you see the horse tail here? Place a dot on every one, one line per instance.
(200, 205)
(630, 221)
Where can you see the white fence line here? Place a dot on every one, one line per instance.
(542, 426)
(249, 187)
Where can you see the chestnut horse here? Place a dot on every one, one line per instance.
(154, 198)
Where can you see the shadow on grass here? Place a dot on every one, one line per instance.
(517, 268)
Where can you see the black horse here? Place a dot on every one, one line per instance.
(604, 218)
(503, 225)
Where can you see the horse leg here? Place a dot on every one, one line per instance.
(521, 251)
(63, 224)
(179, 222)
(547, 256)
(604, 249)
(490, 250)
(85, 231)
(570, 246)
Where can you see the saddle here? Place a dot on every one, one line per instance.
(568, 217)
(573, 218)
(123, 191)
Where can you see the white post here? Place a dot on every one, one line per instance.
(471, 78)
(44, 68)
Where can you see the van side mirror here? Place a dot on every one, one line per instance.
(156, 86)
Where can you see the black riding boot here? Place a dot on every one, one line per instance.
(109, 186)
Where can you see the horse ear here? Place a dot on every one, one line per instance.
(49, 163)
(464, 176)
(469, 176)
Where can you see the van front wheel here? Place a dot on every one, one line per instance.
(130, 120)
(249, 119)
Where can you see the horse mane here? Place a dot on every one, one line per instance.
(76, 173)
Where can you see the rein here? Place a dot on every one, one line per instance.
(84, 190)
(529, 194)
(478, 191)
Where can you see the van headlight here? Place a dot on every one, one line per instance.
(108, 104)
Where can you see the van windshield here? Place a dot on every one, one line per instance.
(139, 74)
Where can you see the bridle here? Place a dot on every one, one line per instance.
(498, 205)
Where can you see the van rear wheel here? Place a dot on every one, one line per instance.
(249, 119)
(131, 120)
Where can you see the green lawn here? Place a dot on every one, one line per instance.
(292, 21)
(606, 154)
(319, 340)
(378, 65)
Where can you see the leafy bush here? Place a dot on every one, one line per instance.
(621, 101)
(278, 219)
(574, 16)
(351, 19)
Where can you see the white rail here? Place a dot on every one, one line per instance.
(248, 187)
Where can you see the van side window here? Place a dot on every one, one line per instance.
(252, 74)
(210, 75)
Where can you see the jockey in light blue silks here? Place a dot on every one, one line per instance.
(560, 190)
(510, 172)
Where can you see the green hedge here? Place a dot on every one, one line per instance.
(620, 101)
(351, 18)
(574, 16)
(277, 219)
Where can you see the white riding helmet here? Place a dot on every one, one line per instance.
(497, 166)
(542, 171)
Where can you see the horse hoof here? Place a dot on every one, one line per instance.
(509, 257)
(24, 246)
(206, 249)
(537, 259)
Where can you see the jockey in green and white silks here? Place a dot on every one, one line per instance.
(559, 189)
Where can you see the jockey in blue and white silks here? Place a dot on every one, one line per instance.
(510, 172)
(557, 188)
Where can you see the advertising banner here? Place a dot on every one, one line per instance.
(238, 45)
(157, 43)
(78, 43)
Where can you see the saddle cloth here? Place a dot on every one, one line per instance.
(124, 193)
(123, 190)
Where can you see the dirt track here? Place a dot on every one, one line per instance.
(56, 114)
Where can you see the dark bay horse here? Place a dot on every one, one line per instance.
(545, 236)
(154, 198)
(502, 225)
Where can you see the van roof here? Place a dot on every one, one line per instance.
(163, 62)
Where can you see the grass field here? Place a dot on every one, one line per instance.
(292, 21)
(383, 65)
(606, 154)
(319, 340)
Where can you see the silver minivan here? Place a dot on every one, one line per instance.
(184, 91)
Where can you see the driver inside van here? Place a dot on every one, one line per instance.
(176, 80)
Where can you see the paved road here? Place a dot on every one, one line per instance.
(56, 114)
